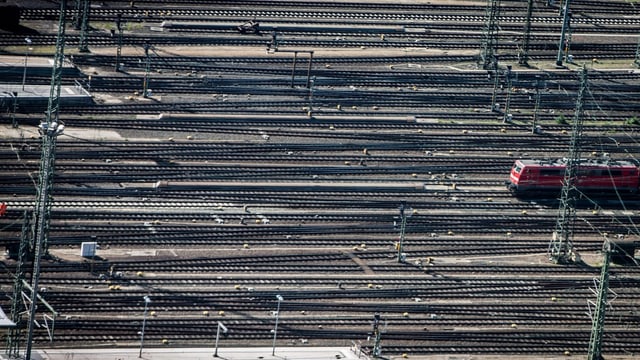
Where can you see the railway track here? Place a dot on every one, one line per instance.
(414, 16)
(423, 324)
(235, 182)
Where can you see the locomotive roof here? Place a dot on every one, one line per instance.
(583, 162)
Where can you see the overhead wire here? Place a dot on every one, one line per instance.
(632, 227)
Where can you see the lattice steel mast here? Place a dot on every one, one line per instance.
(490, 35)
(17, 306)
(523, 56)
(377, 348)
(84, 26)
(561, 247)
(597, 328)
(76, 20)
(49, 129)
(565, 26)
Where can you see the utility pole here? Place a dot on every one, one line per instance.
(507, 104)
(83, 46)
(565, 26)
(523, 56)
(561, 247)
(490, 34)
(49, 129)
(597, 321)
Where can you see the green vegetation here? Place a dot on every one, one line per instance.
(110, 25)
(133, 26)
(632, 121)
(561, 120)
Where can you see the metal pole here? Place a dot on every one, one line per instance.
(567, 42)
(507, 104)
(145, 85)
(119, 47)
(47, 171)
(309, 69)
(144, 323)
(14, 123)
(377, 351)
(77, 21)
(26, 57)
(83, 47)
(524, 55)
(536, 107)
(597, 328)
(565, 23)
(50, 129)
(490, 33)
(310, 111)
(224, 329)
(17, 306)
(637, 59)
(560, 7)
(275, 329)
(215, 353)
(561, 247)
(274, 40)
(403, 223)
(293, 71)
(496, 82)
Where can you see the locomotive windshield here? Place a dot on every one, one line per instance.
(517, 168)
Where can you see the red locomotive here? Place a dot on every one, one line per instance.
(592, 176)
